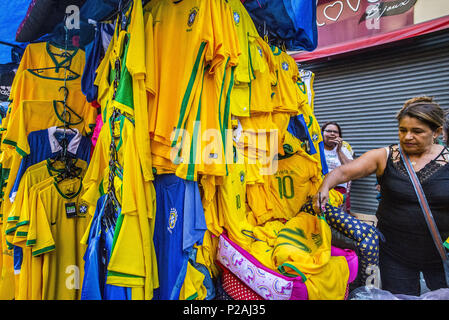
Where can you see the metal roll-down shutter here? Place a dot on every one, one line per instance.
(363, 93)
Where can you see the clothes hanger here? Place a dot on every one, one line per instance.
(67, 112)
(70, 169)
(60, 65)
(121, 5)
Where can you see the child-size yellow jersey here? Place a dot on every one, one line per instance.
(285, 92)
(60, 222)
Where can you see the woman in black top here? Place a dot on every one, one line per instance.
(408, 248)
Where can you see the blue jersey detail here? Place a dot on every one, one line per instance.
(40, 149)
(179, 224)
(96, 259)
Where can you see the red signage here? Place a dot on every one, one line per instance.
(347, 20)
(349, 25)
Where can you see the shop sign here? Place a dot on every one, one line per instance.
(340, 21)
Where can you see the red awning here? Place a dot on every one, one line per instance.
(404, 33)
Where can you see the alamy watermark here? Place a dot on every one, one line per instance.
(72, 19)
(214, 147)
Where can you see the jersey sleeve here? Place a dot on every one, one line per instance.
(150, 79)
(346, 152)
(42, 239)
(221, 38)
(14, 216)
(135, 62)
(16, 133)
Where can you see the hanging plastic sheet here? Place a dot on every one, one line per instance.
(291, 22)
(11, 14)
(373, 293)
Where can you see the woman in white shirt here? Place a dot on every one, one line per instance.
(337, 153)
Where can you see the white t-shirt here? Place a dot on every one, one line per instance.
(333, 161)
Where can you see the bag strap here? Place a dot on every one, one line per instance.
(424, 206)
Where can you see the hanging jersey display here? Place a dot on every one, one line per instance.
(175, 151)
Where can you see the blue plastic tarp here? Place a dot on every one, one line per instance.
(12, 13)
(292, 22)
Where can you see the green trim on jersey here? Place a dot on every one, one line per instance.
(124, 96)
(43, 250)
(14, 144)
(186, 98)
(193, 296)
(227, 111)
(68, 78)
(66, 196)
(281, 269)
(193, 147)
(21, 234)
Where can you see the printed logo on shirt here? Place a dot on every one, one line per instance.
(242, 177)
(236, 18)
(83, 210)
(315, 137)
(285, 66)
(192, 16)
(172, 218)
(260, 51)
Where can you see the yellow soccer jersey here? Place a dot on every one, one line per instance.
(209, 189)
(96, 178)
(190, 23)
(39, 115)
(30, 278)
(303, 248)
(285, 97)
(308, 77)
(133, 261)
(260, 201)
(264, 68)
(206, 146)
(36, 176)
(207, 252)
(244, 75)
(281, 120)
(7, 281)
(130, 96)
(314, 130)
(258, 138)
(297, 179)
(231, 199)
(193, 287)
(10, 165)
(61, 220)
(301, 92)
(31, 86)
(45, 173)
(246, 32)
(191, 143)
(33, 175)
(44, 55)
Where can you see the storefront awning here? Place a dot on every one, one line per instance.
(367, 42)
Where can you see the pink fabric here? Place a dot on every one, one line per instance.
(96, 133)
(267, 282)
(351, 257)
(236, 288)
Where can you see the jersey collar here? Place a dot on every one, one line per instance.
(56, 147)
